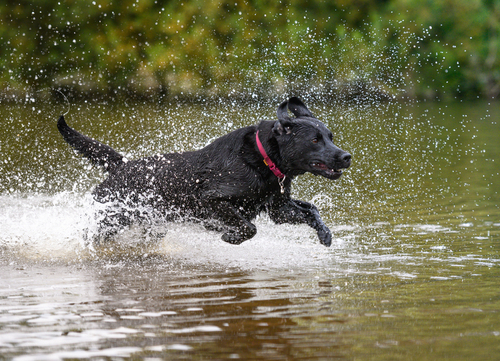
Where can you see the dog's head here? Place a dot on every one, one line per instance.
(306, 144)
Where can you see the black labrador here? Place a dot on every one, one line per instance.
(224, 185)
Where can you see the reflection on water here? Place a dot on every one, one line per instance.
(412, 272)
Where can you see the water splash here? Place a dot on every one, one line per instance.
(43, 227)
(53, 228)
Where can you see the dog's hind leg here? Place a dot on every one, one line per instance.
(237, 229)
(296, 212)
(110, 222)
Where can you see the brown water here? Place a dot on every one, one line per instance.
(413, 271)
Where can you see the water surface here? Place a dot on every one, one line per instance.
(412, 272)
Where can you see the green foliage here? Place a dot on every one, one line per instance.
(258, 48)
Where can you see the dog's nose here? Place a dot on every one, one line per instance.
(346, 158)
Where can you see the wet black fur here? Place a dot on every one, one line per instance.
(224, 185)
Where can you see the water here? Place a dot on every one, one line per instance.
(412, 272)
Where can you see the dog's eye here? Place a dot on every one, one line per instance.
(315, 140)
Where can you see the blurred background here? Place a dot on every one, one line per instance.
(250, 49)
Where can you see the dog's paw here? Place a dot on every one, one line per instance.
(232, 238)
(325, 236)
(240, 235)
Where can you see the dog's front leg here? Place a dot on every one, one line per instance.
(295, 212)
(237, 229)
(315, 221)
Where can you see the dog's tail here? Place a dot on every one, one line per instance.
(98, 153)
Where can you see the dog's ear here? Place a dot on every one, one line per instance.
(284, 123)
(283, 126)
(298, 108)
(283, 111)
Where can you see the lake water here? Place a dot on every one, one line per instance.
(412, 273)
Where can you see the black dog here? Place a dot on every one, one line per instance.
(224, 185)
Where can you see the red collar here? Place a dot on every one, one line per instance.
(268, 160)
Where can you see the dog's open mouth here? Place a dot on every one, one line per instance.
(323, 170)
